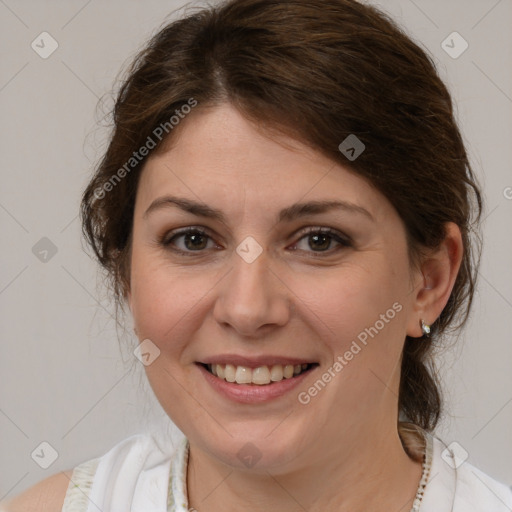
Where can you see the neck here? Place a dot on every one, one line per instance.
(372, 472)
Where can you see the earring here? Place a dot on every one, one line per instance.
(425, 328)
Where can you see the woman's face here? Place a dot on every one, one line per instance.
(259, 288)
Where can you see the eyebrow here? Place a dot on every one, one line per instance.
(288, 214)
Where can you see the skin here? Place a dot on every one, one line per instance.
(45, 496)
(341, 451)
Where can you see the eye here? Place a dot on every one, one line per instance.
(188, 240)
(321, 240)
(192, 240)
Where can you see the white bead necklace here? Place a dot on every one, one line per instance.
(427, 463)
(179, 489)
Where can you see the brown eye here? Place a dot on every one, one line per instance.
(195, 241)
(187, 241)
(321, 240)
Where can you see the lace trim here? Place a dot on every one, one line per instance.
(77, 494)
(177, 499)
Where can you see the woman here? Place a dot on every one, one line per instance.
(286, 206)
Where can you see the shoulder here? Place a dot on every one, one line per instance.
(132, 475)
(478, 491)
(55, 491)
(45, 496)
(455, 485)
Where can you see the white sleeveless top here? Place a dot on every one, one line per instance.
(139, 475)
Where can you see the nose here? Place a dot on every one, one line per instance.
(252, 299)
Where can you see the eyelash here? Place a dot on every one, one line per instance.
(167, 240)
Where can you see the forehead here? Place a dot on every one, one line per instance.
(220, 158)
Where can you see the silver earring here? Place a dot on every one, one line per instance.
(425, 328)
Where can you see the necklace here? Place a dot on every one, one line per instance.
(427, 463)
(177, 480)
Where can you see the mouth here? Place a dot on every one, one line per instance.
(256, 379)
(263, 375)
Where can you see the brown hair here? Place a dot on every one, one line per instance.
(318, 70)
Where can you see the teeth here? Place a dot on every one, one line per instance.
(260, 376)
(229, 372)
(276, 373)
(243, 375)
(288, 371)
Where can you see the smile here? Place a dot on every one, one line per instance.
(260, 376)
(256, 379)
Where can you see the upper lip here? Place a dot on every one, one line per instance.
(255, 361)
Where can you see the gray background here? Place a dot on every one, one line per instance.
(64, 379)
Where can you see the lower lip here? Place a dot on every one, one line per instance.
(252, 393)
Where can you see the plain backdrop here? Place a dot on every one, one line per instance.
(65, 379)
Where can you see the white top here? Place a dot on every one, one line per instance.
(139, 475)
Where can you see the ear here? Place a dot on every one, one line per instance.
(435, 280)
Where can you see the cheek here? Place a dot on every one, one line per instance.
(359, 315)
(167, 302)
(352, 298)
(166, 307)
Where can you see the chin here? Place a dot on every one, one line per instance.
(251, 447)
